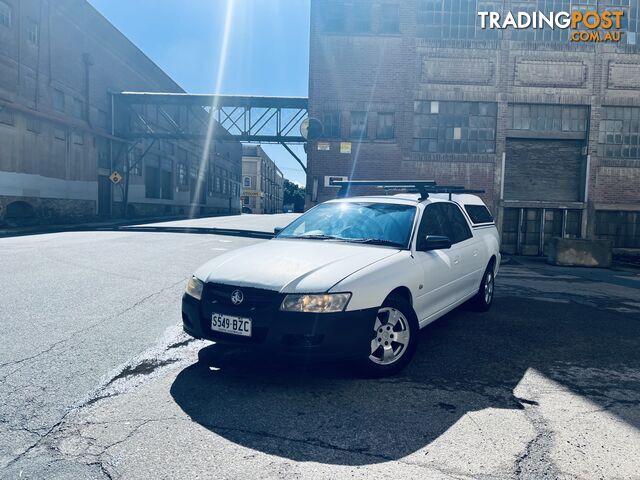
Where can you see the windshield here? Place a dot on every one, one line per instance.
(385, 224)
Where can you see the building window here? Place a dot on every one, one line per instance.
(361, 16)
(444, 19)
(181, 172)
(619, 135)
(454, 127)
(333, 16)
(166, 178)
(389, 18)
(621, 227)
(58, 100)
(331, 124)
(385, 129)
(5, 14)
(358, 128)
(78, 138)
(78, 108)
(134, 162)
(59, 134)
(34, 125)
(548, 118)
(152, 176)
(6, 117)
(247, 182)
(245, 200)
(33, 33)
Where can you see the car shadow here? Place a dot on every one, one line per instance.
(465, 362)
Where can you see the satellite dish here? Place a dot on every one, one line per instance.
(311, 128)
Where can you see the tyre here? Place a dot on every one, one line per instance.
(484, 298)
(393, 340)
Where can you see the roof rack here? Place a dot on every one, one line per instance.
(423, 187)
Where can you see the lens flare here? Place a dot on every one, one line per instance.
(213, 124)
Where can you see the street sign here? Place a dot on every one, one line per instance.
(115, 177)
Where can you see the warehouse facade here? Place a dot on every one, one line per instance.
(549, 128)
(59, 61)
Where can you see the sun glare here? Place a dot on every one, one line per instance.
(213, 124)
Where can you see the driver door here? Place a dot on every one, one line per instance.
(441, 268)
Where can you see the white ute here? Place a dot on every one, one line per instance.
(353, 277)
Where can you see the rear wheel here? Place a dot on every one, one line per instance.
(484, 298)
(393, 339)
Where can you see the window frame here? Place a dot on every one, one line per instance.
(384, 19)
(361, 24)
(32, 31)
(58, 94)
(381, 115)
(363, 135)
(9, 22)
(335, 130)
(333, 20)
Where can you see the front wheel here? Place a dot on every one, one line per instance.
(393, 340)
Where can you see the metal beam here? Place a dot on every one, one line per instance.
(304, 167)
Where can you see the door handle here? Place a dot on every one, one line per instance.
(456, 260)
(475, 253)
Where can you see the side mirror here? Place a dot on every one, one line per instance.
(434, 242)
(277, 230)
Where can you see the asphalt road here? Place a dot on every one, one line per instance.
(97, 380)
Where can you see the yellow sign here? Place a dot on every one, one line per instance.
(345, 147)
(115, 177)
(252, 193)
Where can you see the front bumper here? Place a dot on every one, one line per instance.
(326, 335)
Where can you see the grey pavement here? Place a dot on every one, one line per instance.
(98, 381)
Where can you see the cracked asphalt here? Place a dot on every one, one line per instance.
(98, 381)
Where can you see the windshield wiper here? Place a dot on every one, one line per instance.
(376, 241)
(315, 237)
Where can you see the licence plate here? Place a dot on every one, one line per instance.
(230, 324)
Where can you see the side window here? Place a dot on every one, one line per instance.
(432, 222)
(444, 219)
(479, 214)
(456, 224)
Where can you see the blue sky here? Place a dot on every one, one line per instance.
(267, 53)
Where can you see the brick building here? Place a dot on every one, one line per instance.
(262, 182)
(58, 62)
(549, 128)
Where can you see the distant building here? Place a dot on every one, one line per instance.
(549, 128)
(262, 182)
(58, 62)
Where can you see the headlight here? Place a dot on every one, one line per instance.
(194, 288)
(322, 303)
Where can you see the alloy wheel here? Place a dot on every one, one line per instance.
(488, 288)
(391, 336)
